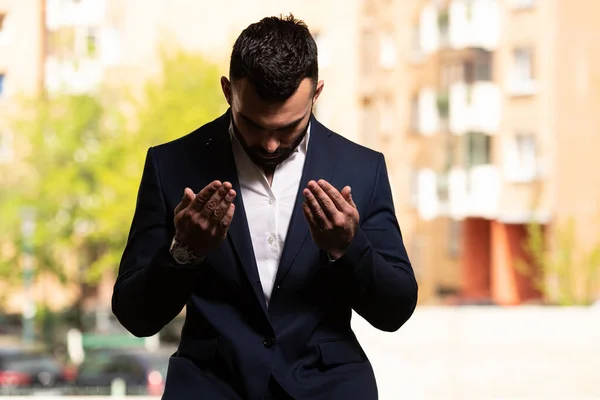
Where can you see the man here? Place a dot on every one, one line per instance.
(283, 229)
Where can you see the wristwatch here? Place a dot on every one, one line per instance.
(182, 254)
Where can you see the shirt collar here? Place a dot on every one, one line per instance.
(302, 147)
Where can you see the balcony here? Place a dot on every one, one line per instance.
(425, 117)
(429, 32)
(474, 192)
(73, 76)
(431, 196)
(74, 13)
(474, 24)
(474, 107)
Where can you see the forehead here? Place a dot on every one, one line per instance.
(271, 115)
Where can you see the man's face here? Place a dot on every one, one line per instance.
(269, 132)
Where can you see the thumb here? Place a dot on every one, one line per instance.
(347, 194)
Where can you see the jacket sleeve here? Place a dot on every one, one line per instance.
(384, 289)
(151, 289)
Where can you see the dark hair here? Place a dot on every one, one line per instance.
(275, 55)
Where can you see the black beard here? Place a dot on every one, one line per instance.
(262, 158)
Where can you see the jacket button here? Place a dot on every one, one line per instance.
(269, 342)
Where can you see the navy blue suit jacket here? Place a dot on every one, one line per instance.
(232, 344)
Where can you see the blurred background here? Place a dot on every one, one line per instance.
(488, 113)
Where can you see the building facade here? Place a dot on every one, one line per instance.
(488, 146)
(485, 109)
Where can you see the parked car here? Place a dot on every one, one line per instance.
(143, 372)
(23, 370)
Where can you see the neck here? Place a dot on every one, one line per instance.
(269, 173)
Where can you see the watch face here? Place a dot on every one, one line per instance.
(181, 255)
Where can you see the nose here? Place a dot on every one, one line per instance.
(271, 144)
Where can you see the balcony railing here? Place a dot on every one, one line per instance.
(475, 107)
(74, 13)
(474, 192)
(73, 76)
(474, 24)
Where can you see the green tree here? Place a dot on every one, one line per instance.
(84, 163)
(564, 272)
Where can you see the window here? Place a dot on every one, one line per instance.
(443, 105)
(387, 51)
(480, 69)
(521, 161)
(469, 9)
(2, 84)
(483, 66)
(523, 64)
(526, 150)
(444, 27)
(449, 152)
(521, 80)
(522, 4)
(442, 188)
(478, 149)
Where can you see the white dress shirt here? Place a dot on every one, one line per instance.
(269, 207)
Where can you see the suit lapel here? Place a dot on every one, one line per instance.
(238, 233)
(319, 164)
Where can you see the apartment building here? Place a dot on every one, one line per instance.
(495, 93)
(77, 46)
(485, 109)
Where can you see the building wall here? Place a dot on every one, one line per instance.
(20, 57)
(576, 117)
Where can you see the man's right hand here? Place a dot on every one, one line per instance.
(202, 220)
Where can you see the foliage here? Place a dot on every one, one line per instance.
(566, 274)
(85, 160)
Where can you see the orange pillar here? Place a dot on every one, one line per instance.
(475, 259)
(510, 286)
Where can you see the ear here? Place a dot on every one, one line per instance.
(226, 87)
(318, 91)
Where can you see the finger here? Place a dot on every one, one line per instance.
(338, 200)
(308, 214)
(215, 200)
(319, 215)
(347, 194)
(224, 223)
(324, 201)
(221, 210)
(188, 198)
(205, 194)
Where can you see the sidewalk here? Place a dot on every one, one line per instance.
(483, 353)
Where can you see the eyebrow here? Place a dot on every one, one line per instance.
(281, 128)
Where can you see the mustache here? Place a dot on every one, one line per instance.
(258, 150)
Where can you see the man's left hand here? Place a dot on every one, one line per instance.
(332, 216)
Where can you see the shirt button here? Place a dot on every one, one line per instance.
(270, 240)
(269, 342)
(271, 201)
